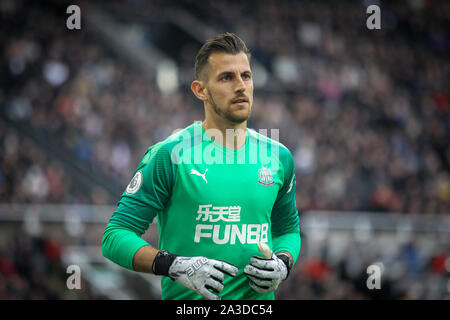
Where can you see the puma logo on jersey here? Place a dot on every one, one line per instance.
(193, 171)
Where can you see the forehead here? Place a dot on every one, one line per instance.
(220, 62)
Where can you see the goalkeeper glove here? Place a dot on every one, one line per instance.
(196, 273)
(266, 274)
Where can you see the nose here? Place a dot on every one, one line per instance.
(240, 84)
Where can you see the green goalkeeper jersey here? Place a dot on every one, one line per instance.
(210, 201)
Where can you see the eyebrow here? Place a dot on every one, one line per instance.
(230, 73)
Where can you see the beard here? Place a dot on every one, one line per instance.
(226, 112)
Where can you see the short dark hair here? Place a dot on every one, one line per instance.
(226, 42)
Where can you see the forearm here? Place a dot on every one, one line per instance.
(120, 245)
(143, 259)
(289, 243)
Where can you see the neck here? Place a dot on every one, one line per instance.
(233, 135)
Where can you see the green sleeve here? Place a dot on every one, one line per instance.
(284, 216)
(145, 196)
(290, 242)
(285, 220)
(120, 244)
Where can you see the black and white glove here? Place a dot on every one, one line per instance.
(199, 274)
(266, 274)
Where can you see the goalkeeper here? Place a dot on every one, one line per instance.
(225, 203)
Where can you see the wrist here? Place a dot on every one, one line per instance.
(286, 260)
(162, 262)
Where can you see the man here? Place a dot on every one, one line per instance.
(220, 192)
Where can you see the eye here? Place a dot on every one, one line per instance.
(246, 76)
(226, 77)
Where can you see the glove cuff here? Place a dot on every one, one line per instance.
(287, 261)
(162, 262)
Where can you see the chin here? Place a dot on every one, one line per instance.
(239, 119)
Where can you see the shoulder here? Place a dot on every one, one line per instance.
(164, 150)
(284, 153)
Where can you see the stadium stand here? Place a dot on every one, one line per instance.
(365, 113)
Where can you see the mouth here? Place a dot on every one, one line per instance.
(240, 101)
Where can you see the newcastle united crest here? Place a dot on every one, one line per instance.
(265, 177)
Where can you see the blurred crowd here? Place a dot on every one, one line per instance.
(31, 268)
(417, 269)
(365, 113)
(29, 175)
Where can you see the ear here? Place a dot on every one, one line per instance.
(199, 89)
